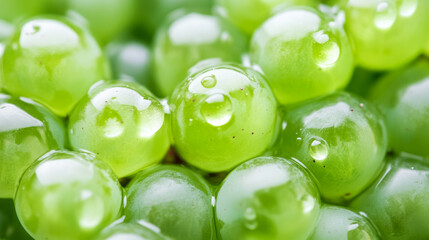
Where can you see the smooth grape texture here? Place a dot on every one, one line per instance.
(173, 198)
(16, 10)
(123, 124)
(404, 100)
(222, 115)
(397, 201)
(130, 231)
(386, 34)
(303, 52)
(52, 61)
(185, 40)
(340, 138)
(267, 198)
(67, 196)
(27, 131)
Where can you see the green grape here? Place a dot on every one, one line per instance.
(403, 98)
(267, 198)
(16, 10)
(362, 81)
(130, 231)
(248, 15)
(397, 201)
(67, 195)
(153, 13)
(10, 227)
(27, 131)
(221, 116)
(340, 223)
(173, 198)
(188, 39)
(386, 33)
(61, 61)
(106, 18)
(123, 124)
(303, 52)
(6, 30)
(340, 138)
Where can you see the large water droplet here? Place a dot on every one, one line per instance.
(385, 15)
(110, 123)
(208, 81)
(250, 218)
(408, 8)
(91, 212)
(318, 149)
(217, 109)
(151, 120)
(325, 49)
(308, 203)
(357, 232)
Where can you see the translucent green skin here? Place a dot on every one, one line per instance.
(129, 231)
(106, 19)
(341, 223)
(303, 52)
(27, 131)
(67, 195)
(362, 81)
(353, 143)
(267, 198)
(16, 10)
(403, 99)
(61, 62)
(123, 124)
(388, 38)
(188, 39)
(173, 198)
(397, 201)
(248, 15)
(10, 228)
(216, 128)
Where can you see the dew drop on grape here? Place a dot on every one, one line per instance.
(111, 123)
(217, 109)
(209, 81)
(250, 217)
(385, 15)
(318, 149)
(325, 49)
(92, 210)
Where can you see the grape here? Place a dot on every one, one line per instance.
(340, 138)
(397, 201)
(123, 124)
(341, 223)
(61, 62)
(27, 131)
(6, 30)
(173, 198)
(67, 195)
(188, 39)
(15, 10)
(130, 231)
(267, 198)
(303, 52)
(10, 228)
(106, 19)
(403, 99)
(387, 33)
(362, 81)
(247, 15)
(221, 116)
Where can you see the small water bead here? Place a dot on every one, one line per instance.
(308, 203)
(151, 120)
(250, 217)
(326, 51)
(217, 109)
(209, 81)
(318, 149)
(408, 8)
(385, 15)
(92, 210)
(110, 123)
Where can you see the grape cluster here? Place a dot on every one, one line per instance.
(214, 119)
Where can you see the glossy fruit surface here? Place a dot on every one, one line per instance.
(340, 138)
(130, 231)
(303, 52)
(123, 124)
(221, 116)
(173, 198)
(67, 195)
(397, 201)
(267, 198)
(189, 38)
(27, 131)
(61, 62)
(387, 33)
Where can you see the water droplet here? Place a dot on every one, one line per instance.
(250, 218)
(284, 125)
(386, 15)
(217, 109)
(325, 49)
(357, 232)
(408, 8)
(208, 81)
(110, 122)
(91, 211)
(308, 203)
(318, 149)
(299, 139)
(150, 120)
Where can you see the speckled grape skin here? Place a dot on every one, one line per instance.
(173, 198)
(397, 201)
(27, 131)
(386, 34)
(340, 138)
(341, 223)
(61, 62)
(403, 99)
(123, 123)
(130, 231)
(303, 52)
(267, 198)
(217, 127)
(67, 196)
(189, 38)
